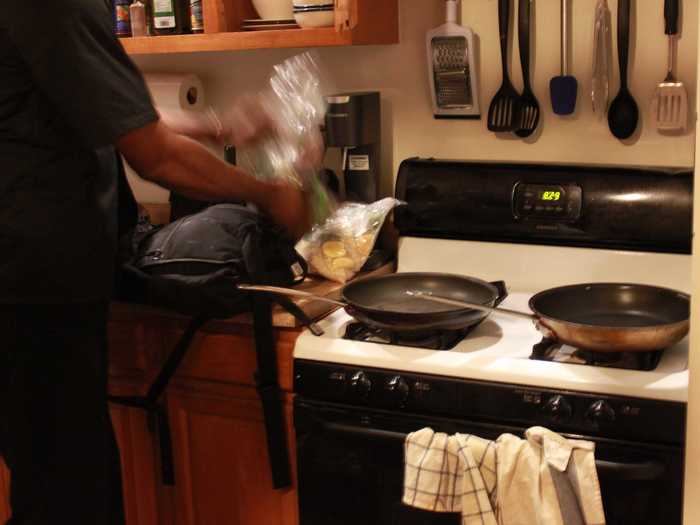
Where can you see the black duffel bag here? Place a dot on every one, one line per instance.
(192, 266)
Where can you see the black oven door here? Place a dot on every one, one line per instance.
(350, 469)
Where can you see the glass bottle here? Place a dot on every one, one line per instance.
(196, 16)
(137, 14)
(165, 17)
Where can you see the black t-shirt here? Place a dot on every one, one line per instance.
(68, 91)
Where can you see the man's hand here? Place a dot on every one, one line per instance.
(287, 206)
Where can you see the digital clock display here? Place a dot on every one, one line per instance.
(550, 195)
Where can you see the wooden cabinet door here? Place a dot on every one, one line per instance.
(136, 348)
(221, 461)
(4, 492)
(140, 474)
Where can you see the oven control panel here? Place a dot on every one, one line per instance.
(558, 202)
(521, 406)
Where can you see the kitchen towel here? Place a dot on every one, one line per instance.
(544, 479)
(451, 474)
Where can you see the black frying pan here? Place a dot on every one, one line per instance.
(603, 317)
(383, 302)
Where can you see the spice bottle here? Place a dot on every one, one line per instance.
(122, 25)
(137, 14)
(196, 16)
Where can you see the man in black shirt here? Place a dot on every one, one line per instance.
(68, 95)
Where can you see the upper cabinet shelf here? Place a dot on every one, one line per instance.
(357, 22)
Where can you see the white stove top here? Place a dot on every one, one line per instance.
(498, 349)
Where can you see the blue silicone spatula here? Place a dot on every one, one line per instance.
(563, 89)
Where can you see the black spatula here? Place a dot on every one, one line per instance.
(504, 111)
(563, 89)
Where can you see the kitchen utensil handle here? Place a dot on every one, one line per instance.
(503, 18)
(465, 304)
(623, 38)
(564, 37)
(671, 12)
(524, 38)
(288, 292)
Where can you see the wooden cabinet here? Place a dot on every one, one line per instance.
(358, 22)
(4, 493)
(136, 351)
(219, 448)
(221, 461)
(219, 442)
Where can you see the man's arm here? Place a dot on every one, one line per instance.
(162, 156)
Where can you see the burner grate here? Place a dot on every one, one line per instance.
(430, 340)
(549, 350)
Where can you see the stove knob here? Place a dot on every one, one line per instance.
(558, 409)
(398, 390)
(599, 413)
(360, 385)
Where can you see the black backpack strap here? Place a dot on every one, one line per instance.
(270, 393)
(157, 415)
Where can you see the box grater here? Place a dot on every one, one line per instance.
(453, 84)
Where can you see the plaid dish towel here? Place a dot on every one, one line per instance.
(451, 474)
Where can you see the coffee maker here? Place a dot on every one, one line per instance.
(353, 124)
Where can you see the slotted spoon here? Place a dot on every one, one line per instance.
(504, 111)
(669, 105)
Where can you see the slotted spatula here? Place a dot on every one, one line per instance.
(504, 111)
(669, 105)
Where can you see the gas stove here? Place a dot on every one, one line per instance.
(485, 221)
(359, 391)
(500, 348)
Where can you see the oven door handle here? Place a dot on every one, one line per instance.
(643, 471)
(612, 470)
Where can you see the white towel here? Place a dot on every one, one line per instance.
(451, 474)
(544, 479)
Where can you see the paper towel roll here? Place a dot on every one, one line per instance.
(173, 91)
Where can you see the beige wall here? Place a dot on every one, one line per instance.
(399, 72)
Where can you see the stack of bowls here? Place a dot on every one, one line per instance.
(314, 13)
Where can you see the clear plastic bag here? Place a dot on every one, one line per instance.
(338, 248)
(296, 105)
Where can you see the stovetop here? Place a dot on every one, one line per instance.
(499, 350)
(545, 350)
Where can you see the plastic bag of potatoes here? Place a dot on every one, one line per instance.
(338, 248)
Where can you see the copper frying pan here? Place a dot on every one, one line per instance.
(601, 317)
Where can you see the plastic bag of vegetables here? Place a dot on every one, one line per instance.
(338, 248)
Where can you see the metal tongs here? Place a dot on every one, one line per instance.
(602, 47)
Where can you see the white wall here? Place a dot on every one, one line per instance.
(399, 72)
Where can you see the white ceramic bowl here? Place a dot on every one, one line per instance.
(315, 18)
(274, 9)
(306, 3)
